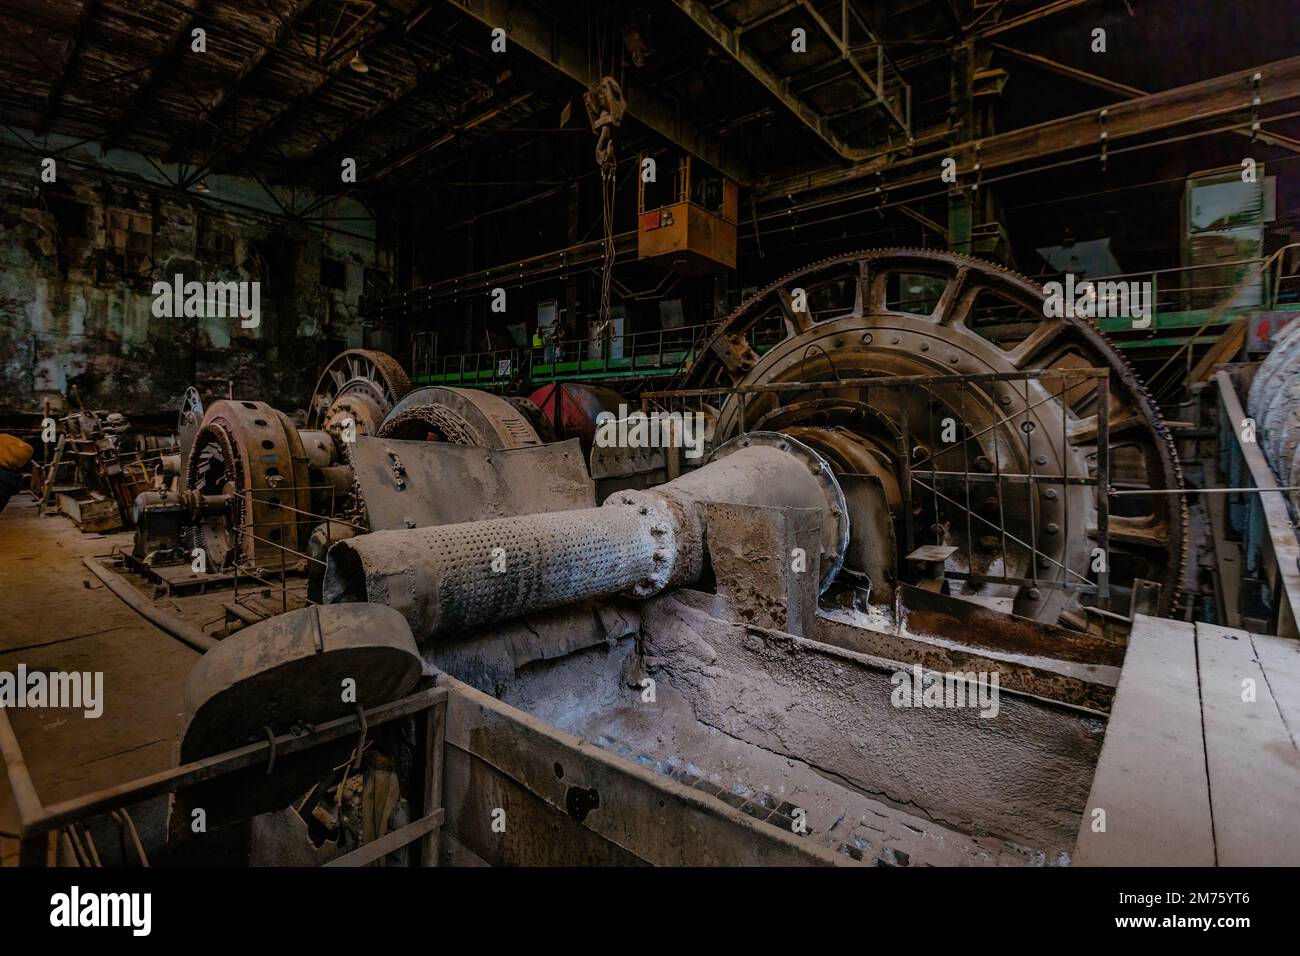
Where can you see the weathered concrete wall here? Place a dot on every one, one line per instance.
(79, 256)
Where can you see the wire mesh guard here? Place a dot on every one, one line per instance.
(297, 540)
(988, 483)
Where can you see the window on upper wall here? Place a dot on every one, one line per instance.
(213, 242)
(130, 241)
(376, 283)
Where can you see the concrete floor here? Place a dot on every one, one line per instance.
(59, 617)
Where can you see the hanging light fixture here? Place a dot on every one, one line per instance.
(357, 64)
(201, 186)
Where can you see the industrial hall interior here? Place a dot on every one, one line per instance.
(585, 433)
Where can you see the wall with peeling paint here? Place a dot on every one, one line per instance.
(79, 257)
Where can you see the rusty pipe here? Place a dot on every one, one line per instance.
(449, 578)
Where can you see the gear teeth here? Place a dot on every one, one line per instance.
(706, 366)
(392, 377)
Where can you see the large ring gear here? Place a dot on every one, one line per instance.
(917, 312)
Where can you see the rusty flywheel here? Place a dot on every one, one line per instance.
(917, 312)
(360, 385)
(252, 454)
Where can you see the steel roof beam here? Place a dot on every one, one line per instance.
(778, 86)
(65, 68)
(1210, 99)
(159, 73)
(543, 39)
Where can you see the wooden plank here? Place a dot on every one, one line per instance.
(1280, 659)
(90, 511)
(1282, 557)
(434, 731)
(1254, 767)
(51, 474)
(1228, 344)
(368, 853)
(1151, 780)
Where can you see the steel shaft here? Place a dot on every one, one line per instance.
(455, 577)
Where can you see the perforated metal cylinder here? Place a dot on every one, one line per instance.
(455, 577)
(459, 576)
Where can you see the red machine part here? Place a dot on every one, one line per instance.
(572, 408)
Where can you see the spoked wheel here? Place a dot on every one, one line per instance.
(360, 385)
(904, 312)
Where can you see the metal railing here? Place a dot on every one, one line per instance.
(1183, 296)
(283, 576)
(69, 817)
(652, 353)
(1058, 385)
(1187, 302)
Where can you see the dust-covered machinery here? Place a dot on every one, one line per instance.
(639, 543)
(101, 462)
(255, 487)
(695, 626)
(250, 478)
(1009, 536)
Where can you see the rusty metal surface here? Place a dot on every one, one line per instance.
(187, 425)
(463, 416)
(536, 417)
(413, 484)
(572, 408)
(360, 385)
(1087, 685)
(929, 613)
(970, 317)
(247, 450)
(286, 671)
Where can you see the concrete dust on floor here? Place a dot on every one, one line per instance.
(60, 618)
